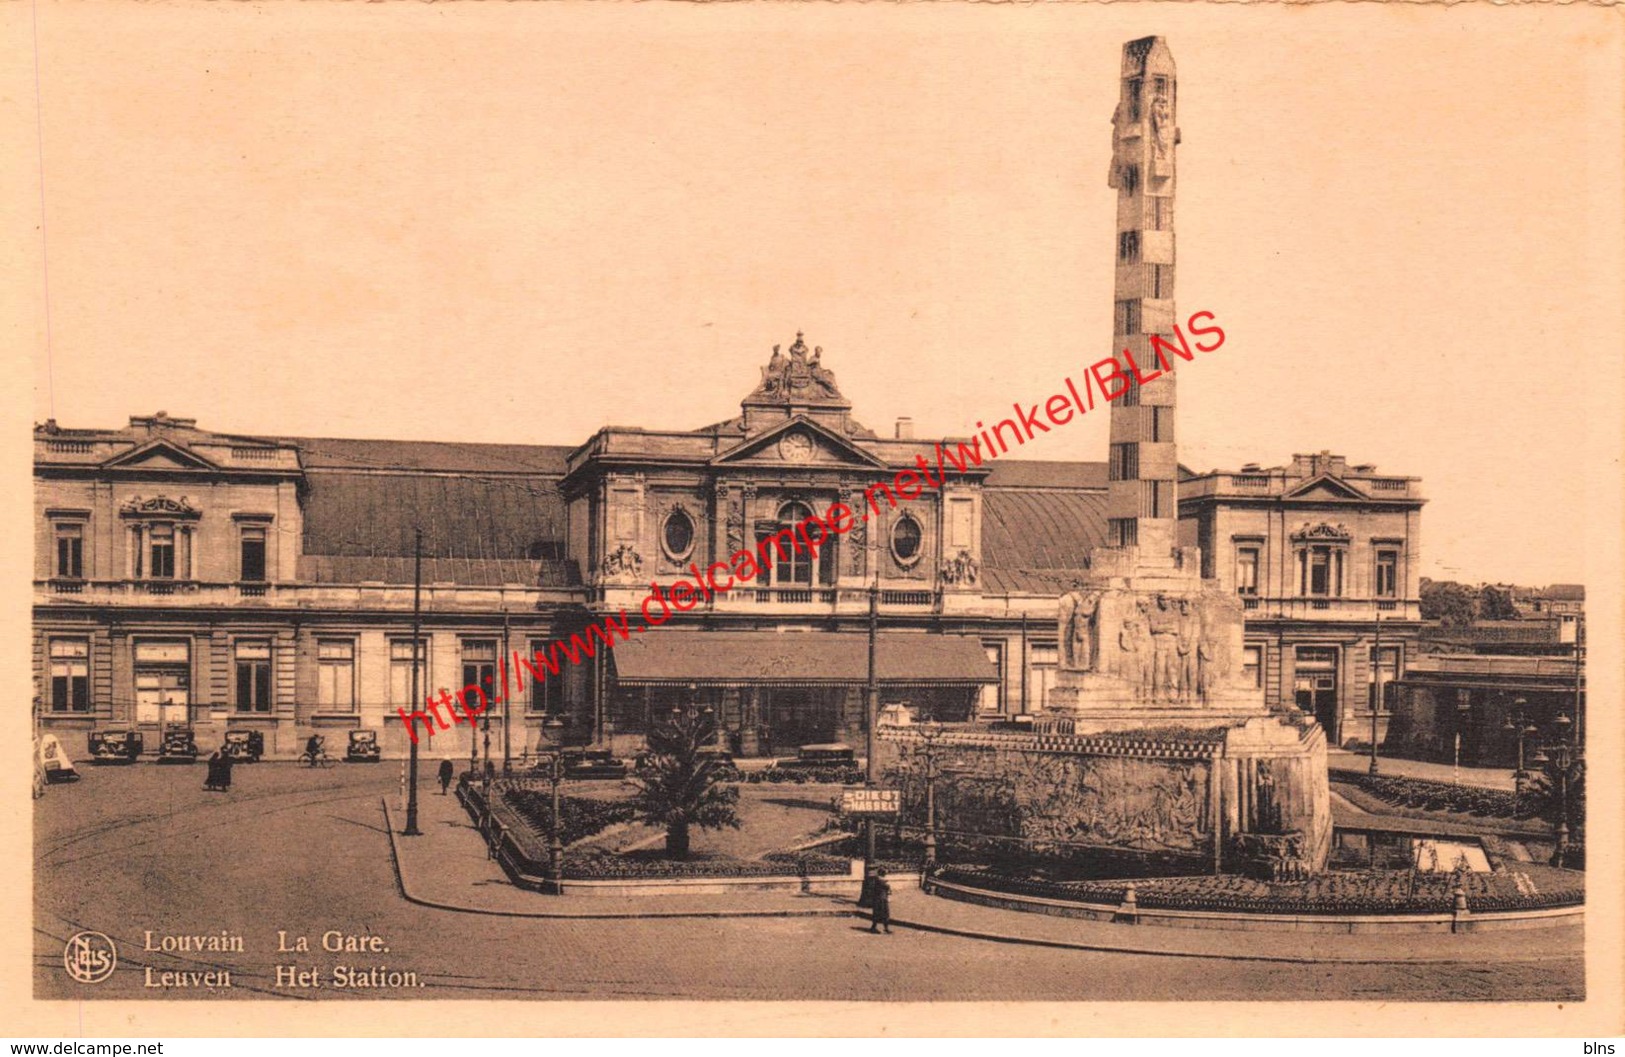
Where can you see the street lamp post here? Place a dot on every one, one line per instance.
(1518, 723)
(411, 829)
(555, 775)
(1562, 755)
(1376, 703)
(871, 707)
(929, 733)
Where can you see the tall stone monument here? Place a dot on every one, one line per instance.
(1155, 742)
(1145, 641)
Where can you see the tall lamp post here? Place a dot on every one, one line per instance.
(411, 829)
(927, 753)
(1560, 754)
(1518, 723)
(871, 708)
(1376, 702)
(554, 730)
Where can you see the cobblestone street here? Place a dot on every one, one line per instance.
(128, 852)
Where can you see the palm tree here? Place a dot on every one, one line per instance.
(681, 785)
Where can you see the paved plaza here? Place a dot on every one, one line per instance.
(128, 852)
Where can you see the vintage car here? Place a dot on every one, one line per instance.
(115, 746)
(52, 761)
(724, 761)
(178, 746)
(244, 746)
(592, 763)
(830, 755)
(363, 747)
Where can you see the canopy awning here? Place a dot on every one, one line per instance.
(829, 658)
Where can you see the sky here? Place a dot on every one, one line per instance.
(521, 223)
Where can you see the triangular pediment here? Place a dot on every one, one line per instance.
(1326, 487)
(799, 441)
(159, 455)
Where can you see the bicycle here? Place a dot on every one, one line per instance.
(319, 759)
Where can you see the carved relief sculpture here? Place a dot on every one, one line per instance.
(960, 569)
(1190, 634)
(624, 562)
(1079, 630)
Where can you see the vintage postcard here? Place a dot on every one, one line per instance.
(919, 518)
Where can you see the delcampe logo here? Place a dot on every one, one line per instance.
(90, 957)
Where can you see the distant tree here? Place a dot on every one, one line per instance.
(681, 784)
(1453, 605)
(1495, 603)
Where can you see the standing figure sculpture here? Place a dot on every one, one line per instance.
(1078, 628)
(1190, 635)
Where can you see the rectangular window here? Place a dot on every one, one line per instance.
(1125, 462)
(253, 676)
(161, 552)
(400, 673)
(335, 677)
(1162, 425)
(990, 697)
(1131, 180)
(1134, 85)
(480, 666)
(1128, 317)
(545, 696)
(253, 554)
(70, 551)
(1043, 659)
(1320, 571)
(1387, 574)
(1161, 280)
(1125, 531)
(1252, 665)
(70, 675)
(1128, 246)
(1388, 661)
(1247, 570)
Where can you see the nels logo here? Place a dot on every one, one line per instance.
(90, 957)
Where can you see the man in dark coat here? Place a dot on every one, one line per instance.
(447, 771)
(881, 896)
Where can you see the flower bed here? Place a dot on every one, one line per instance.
(830, 774)
(606, 867)
(579, 817)
(1375, 892)
(1421, 794)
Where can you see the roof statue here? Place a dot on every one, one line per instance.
(796, 377)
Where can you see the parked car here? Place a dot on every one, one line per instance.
(363, 747)
(115, 746)
(52, 760)
(244, 746)
(834, 754)
(724, 760)
(592, 763)
(178, 746)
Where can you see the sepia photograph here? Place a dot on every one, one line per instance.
(787, 504)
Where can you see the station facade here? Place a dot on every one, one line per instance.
(185, 577)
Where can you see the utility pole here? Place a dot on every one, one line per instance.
(507, 703)
(871, 708)
(1376, 704)
(411, 829)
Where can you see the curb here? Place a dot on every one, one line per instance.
(400, 882)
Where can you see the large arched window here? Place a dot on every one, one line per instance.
(792, 564)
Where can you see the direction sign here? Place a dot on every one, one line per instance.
(870, 802)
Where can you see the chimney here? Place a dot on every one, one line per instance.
(905, 428)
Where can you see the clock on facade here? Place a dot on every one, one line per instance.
(796, 447)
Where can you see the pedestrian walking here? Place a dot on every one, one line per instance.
(880, 897)
(446, 773)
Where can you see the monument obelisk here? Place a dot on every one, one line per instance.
(1144, 640)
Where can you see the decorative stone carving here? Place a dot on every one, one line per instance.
(962, 568)
(159, 506)
(1078, 631)
(797, 376)
(1162, 132)
(1323, 531)
(623, 563)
